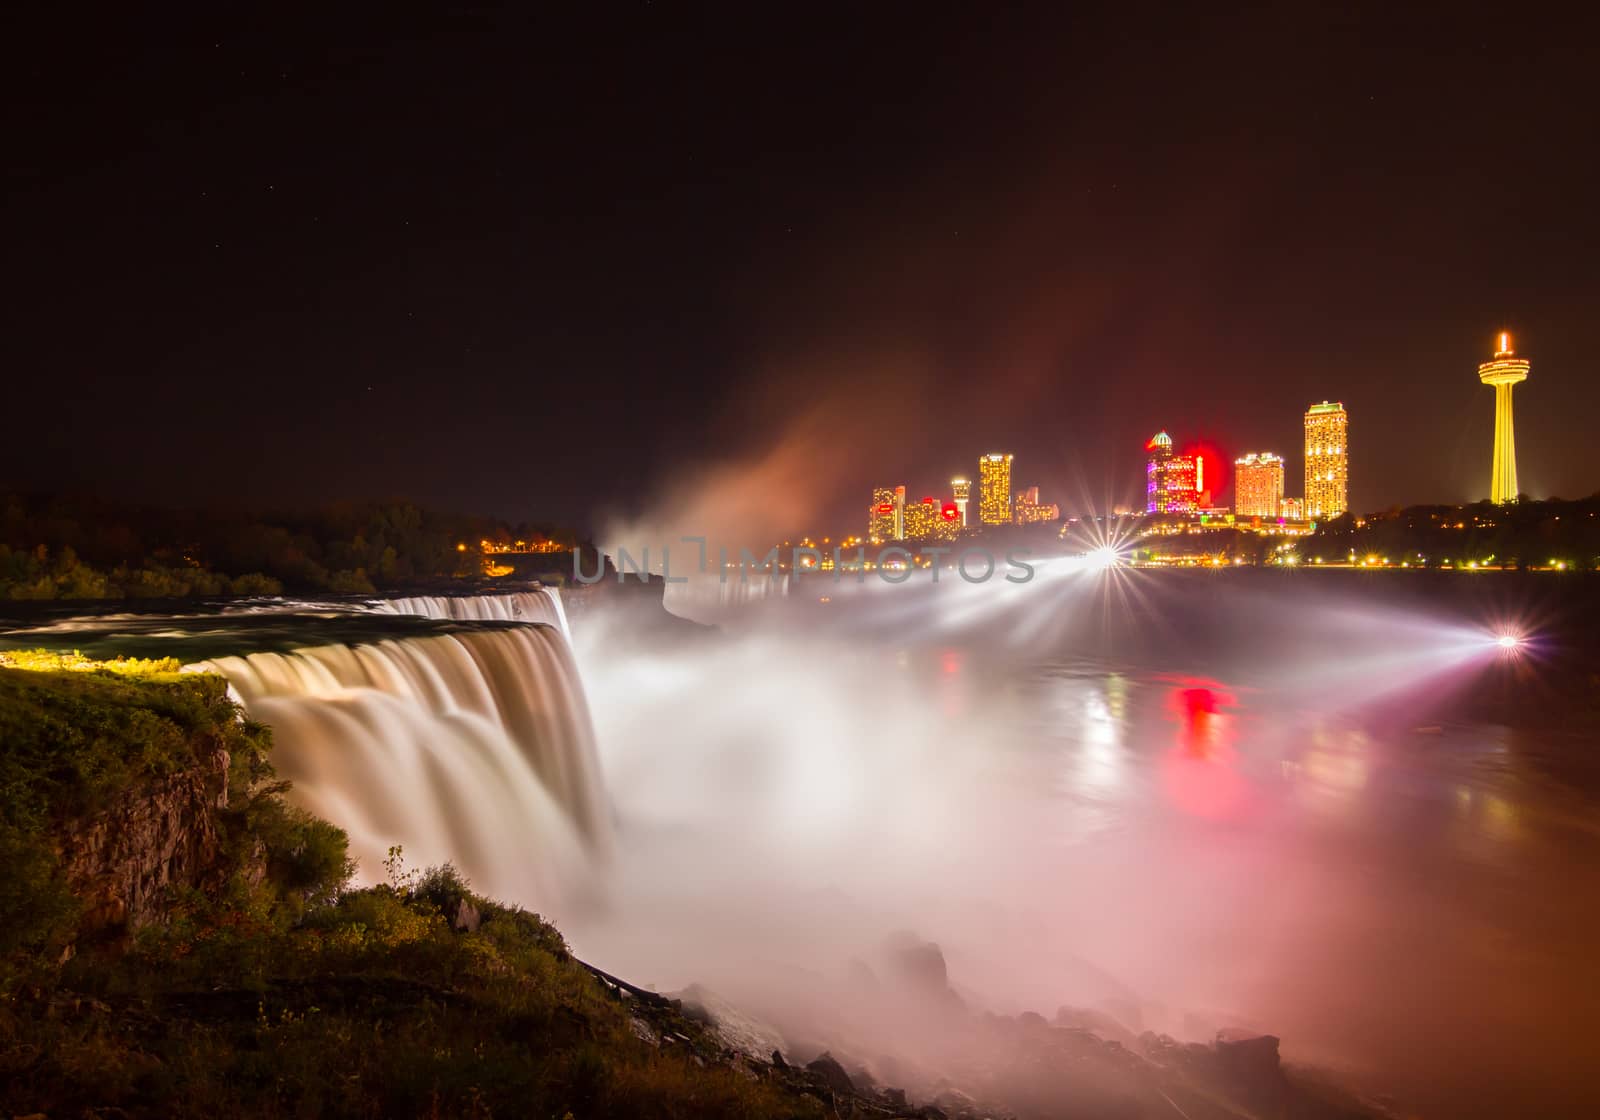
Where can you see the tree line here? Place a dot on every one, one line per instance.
(55, 547)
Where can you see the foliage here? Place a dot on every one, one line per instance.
(1518, 534)
(77, 732)
(288, 993)
(371, 1005)
(84, 548)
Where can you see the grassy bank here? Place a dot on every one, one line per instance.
(262, 985)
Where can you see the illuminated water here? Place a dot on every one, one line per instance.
(473, 748)
(1343, 814)
(1339, 813)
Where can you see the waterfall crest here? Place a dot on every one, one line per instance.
(474, 748)
(542, 604)
(709, 598)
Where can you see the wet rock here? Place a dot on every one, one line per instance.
(777, 1060)
(694, 1009)
(827, 1067)
(737, 1031)
(895, 1098)
(1032, 1019)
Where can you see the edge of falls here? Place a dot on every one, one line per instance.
(473, 748)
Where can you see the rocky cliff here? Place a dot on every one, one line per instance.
(116, 780)
(125, 862)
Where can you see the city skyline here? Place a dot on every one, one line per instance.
(546, 322)
(1176, 483)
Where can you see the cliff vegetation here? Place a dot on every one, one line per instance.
(179, 941)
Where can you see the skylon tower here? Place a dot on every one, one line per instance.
(1503, 371)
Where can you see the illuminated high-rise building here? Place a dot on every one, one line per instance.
(994, 489)
(884, 519)
(1172, 483)
(922, 520)
(1157, 452)
(1292, 509)
(960, 488)
(1327, 461)
(1503, 371)
(1258, 485)
(1028, 510)
(1182, 484)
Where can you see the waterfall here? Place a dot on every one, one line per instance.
(710, 599)
(474, 748)
(539, 605)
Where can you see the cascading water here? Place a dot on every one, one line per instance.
(539, 605)
(707, 598)
(474, 748)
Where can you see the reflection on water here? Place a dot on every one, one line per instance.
(1416, 901)
(1271, 804)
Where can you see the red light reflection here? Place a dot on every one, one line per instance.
(1199, 772)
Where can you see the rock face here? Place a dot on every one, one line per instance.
(121, 861)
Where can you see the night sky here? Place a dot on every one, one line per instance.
(542, 269)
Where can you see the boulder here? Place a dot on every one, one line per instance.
(920, 964)
(1247, 1055)
(917, 969)
(827, 1067)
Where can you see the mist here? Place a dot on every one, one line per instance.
(1092, 790)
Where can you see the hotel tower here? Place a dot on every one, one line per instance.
(1503, 371)
(994, 489)
(1327, 461)
(1258, 485)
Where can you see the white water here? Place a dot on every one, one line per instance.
(540, 605)
(472, 748)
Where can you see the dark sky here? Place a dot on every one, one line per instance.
(540, 268)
